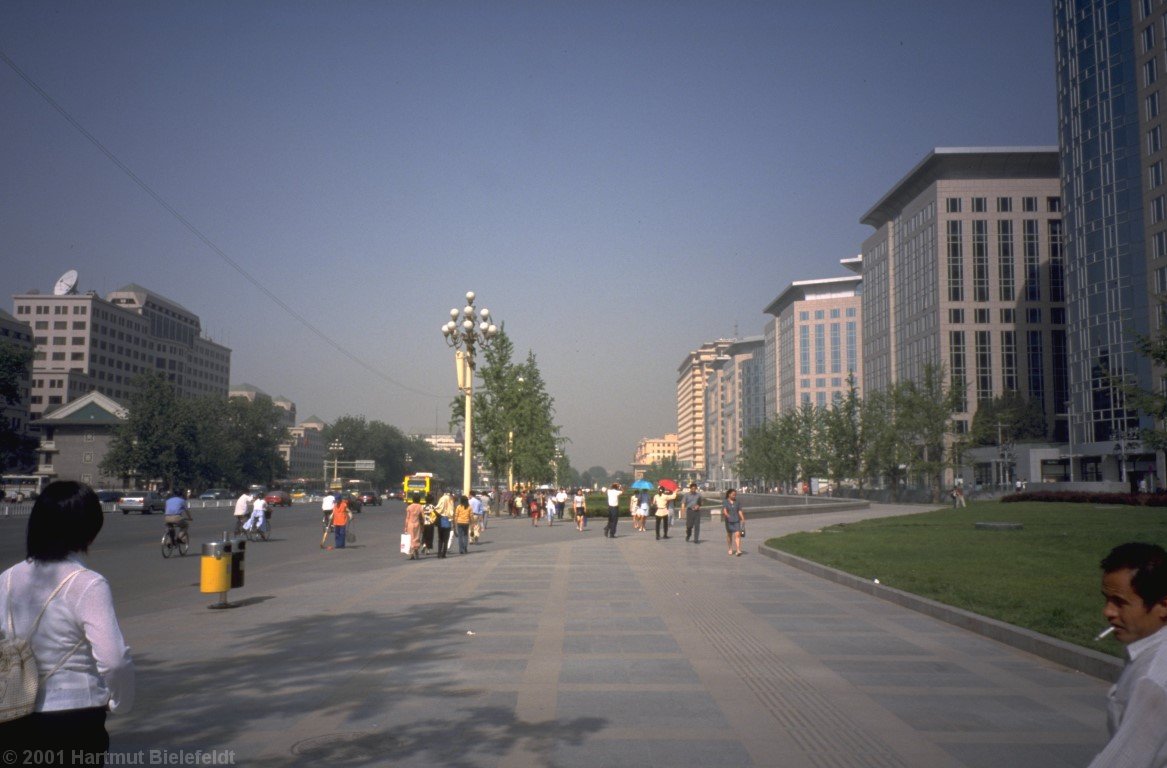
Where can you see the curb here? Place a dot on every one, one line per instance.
(1080, 659)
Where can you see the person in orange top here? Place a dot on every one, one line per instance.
(413, 523)
(340, 518)
(462, 516)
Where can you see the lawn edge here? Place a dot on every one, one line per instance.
(1084, 660)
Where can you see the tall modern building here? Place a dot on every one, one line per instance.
(813, 342)
(735, 404)
(88, 344)
(19, 334)
(1111, 72)
(966, 270)
(653, 450)
(693, 374)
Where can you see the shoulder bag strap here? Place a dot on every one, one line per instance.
(36, 623)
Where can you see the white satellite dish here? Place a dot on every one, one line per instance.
(66, 284)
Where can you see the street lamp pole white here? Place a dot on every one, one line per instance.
(464, 335)
(337, 447)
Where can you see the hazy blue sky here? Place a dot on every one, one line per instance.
(619, 181)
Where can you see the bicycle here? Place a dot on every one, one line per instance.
(174, 538)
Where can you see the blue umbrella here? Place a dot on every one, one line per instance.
(641, 485)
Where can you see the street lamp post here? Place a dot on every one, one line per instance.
(464, 336)
(337, 448)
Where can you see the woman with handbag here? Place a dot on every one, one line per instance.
(66, 612)
(735, 522)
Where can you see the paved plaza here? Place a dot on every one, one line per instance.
(559, 648)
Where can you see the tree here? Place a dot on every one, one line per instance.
(16, 449)
(845, 437)
(926, 409)
(667, 468)
(1151, 402)
(1018, 418)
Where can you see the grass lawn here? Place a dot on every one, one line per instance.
(1045, 577)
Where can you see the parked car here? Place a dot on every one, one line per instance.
(141, 501)
(216, 494)
(106, 496)
(278, 498)
(394, 494)
(369, 497)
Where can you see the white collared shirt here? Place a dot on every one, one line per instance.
(1136, 708)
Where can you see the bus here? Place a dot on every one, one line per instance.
(424, 483)
(22, 487)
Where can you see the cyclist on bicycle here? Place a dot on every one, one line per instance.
(177, 511)
(242, 510)
(258, 519)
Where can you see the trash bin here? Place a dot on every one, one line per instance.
(216, 567)
(238, 550)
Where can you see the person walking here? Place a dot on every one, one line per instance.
(735, 522)
(691, 503)
(638, 509)
(662, 510)
(477, 517)
(340, 520)
(549, 507)
(579, 505)
(326, 506)
(613, 510)
(560, 503)
(66, 611)
(444, 531)
(413, 523)
(462, 518)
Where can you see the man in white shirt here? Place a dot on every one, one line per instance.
(258, 519)
(242, 510)
(326, 507)
(613, 510)
(1134, 583)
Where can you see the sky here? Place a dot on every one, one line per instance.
(619, 182)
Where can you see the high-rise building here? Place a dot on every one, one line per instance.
(88, 344)
(693, 374)
(653, 450)
(813, 343)
(734, 405)
(966, 270)
(1111, 70)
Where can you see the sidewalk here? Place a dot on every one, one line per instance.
(558, 648)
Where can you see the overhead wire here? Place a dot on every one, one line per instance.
(194, 230)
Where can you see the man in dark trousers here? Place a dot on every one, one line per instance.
(691, 503)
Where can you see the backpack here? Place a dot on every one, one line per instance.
(19, 676)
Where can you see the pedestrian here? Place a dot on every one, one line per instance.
(958, 497)
(639, 510)
(533, 508)
(1134, 583)
(477, 517)
(413, 524)
(340, 519)
(429, 521)
(560, 503)
(462, 518)
(661, 509)
(66, 612)
(258, 519)
(579, 505)
(242, 511)
(613, 510)
(445, 532)
(549, 506)
(691, 502)
(735, 522)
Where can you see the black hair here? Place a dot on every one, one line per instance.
(65, 518)
(1149, 563)
(728, 491)
(463, 501)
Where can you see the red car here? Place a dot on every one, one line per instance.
(278, 498)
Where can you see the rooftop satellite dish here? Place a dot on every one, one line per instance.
(66, 284)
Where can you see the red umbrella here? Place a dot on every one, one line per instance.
(668, 485)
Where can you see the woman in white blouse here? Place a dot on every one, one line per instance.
(77, 639)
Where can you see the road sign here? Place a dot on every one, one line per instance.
(364, 465)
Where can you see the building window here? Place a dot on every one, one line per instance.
(804, 350)
(1148, 38)
(836, 349)
(1154, 139)
(1158, 209)
(1029, 204)
(980, 249)
(1150, 72)
(959, 367)
(956, 316)
(955, 262)
(1057, 265)
(1009, 361)
(820, 348)
(1155, 174)
(984, 355)
(952, 204)
(1036, 370)
(1005, 265)
(852, 348)
(1053, 205)
(980, 204)
(1151, 104)
(1004, 205)
(982, 316)
(1033, 315)
(1032, 253)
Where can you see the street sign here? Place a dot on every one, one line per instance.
(364, 465)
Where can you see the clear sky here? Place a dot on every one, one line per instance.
(618, 181)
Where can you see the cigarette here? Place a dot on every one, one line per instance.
(1104, 633)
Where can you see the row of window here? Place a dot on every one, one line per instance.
(1008, 315)
(820, 314)
(1003, 204)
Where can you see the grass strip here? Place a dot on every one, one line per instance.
(1044, 577)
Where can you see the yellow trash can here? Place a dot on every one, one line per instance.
(216, 569)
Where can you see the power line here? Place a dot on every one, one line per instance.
(206, 240)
